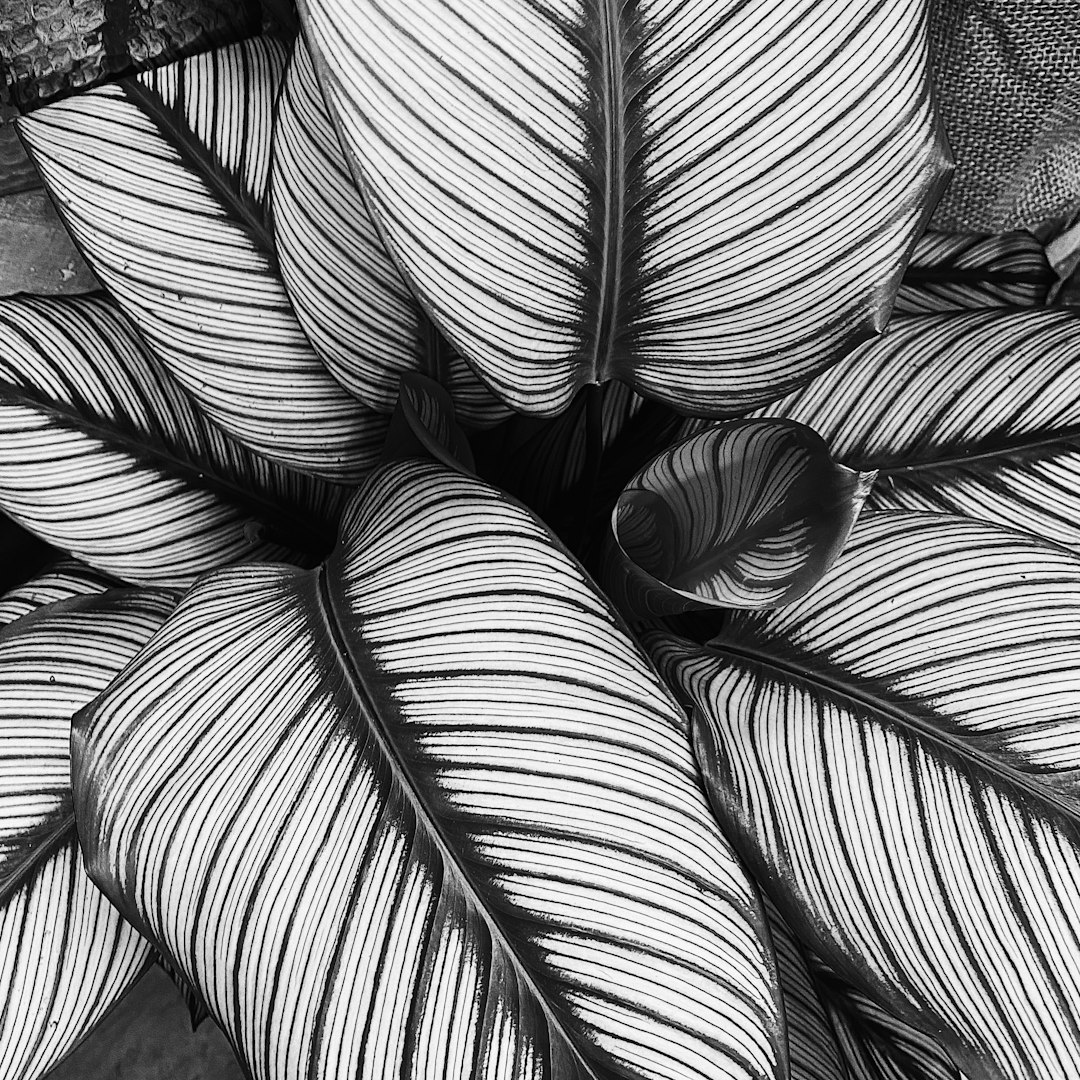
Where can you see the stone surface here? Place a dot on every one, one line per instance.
(148, 1036)
(36, 253)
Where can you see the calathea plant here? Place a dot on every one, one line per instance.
(413, 330)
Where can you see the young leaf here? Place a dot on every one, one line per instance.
(951, 272)
(162, 180)
(746, 514)
(66, 955)
(895, 756)
(63, 580)
(426, 811)
(103, 456)
(710, 202)
(424, 425)
(349, 297)
(973, 413)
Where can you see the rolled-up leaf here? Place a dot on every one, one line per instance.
(745, 514)
(162, 180)
(975, 413)
(895, 755)
(349, 296)
(710, 202)
(426, 812)
(104, 456)
(66, 955)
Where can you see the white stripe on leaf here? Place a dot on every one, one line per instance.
(60, 581)
(66, 956)
(162, 181)
(104, 456)
(974, 413)
(895, 754)
(426, 812)
(709, 201)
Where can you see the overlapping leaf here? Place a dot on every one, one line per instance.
(895, 754)
(974, 413)
(65, 579)
(957, 272)
(162, 180)
(746, 514)
(709, 201)
(66, 955)
(349, 297)
(426, 812)
(103, 456)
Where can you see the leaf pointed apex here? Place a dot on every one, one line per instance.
(742, 515)
(424, 425)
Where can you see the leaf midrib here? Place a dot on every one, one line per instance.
(1017, 446)
(198, 159)
(284, 526)
(53, 840)
(328, 610)
(895, 714)
(613, 104)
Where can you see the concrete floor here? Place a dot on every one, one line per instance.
(148, 1036)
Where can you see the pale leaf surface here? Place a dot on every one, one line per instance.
(426, 811)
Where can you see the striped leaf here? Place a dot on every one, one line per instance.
(348, 295)
(835, 1032)
(66, 956)
(426, 812)
(708, 201)
(957, 272)
(895, 756)
(65, 579)
(104, 456)
(747, 514)
(162, 180)
(424, 425)
(972, 413)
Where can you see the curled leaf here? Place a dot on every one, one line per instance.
(747, 514)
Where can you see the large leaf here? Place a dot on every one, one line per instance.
(104, 456)
(975, 413)
(895, 755)
(426, 812)
(66, 956)
(349, 297)
(957, 272)
(709, 201)
(747, 514)
(162, 180)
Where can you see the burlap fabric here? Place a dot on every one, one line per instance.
(1007, 75)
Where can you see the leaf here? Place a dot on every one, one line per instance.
(348, 295)
(895, 756)
(66, 956)
(65, 579)
(162, 180)
(708, 202)
(424, 425)
(433, 814)
(975, 413)
(746, 514)
(104, 456)
(956, 272)
(837, 1033)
